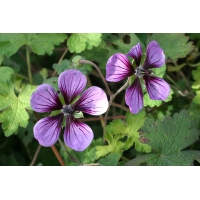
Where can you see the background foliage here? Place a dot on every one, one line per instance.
(163, 133)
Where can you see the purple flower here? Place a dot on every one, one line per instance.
(119, 67)
(77, 135)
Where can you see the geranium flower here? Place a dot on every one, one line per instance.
(77, 135)
(119, 67)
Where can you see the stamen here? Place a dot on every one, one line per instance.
(139, 71)
(67, 110)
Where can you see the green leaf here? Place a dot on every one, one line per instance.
(40, 43)
(1, 59)
(78, 42)
(160, 72)
(98, 54)
(167, 138)
(197, 98)
(196, 75)
(87, 156)
(66, 64)
(110, 160)
(121, 136)
(194, 110)
(26, 135)
(13, 109)
(44, 42)
(53, 82)
(7, 72)
(174, 45)
(152, 103)
(125, 47)
(44, 73)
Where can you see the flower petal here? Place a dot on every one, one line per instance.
(157, 88)
(136, 53)
(71, 83)
(155, 56)
(77, 135)
(45, 99)
(134, 96)
(47, 130)
(93, 101)
(118, 68)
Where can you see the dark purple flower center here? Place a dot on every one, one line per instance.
(139, 71)
(67, 110)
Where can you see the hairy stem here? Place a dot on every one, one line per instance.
(57, 155)
(36, 155)
(28, 64)
(100, 73)
(112, 98)
(71, 157)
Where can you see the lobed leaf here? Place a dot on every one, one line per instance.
(13, 109)
(121, 136)
(7, 72)
(167, 138)
(40, 43)
(78, 42)
(196, 75)
(174, 45)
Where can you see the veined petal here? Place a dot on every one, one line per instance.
(155, 56)
(71, 83)
(77, 135)
(45, 99)
(118, 68)
(93, 101)
(157, 88)
(136, 53)
(47, 130)
(134, 96)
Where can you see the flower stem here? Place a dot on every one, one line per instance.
(36, 155)
(112, 98)
(99, 118)
(28, 64)
(57, 155)
(100, 73)
(71, 157)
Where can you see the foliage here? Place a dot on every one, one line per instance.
(163, 133)
(167, 138)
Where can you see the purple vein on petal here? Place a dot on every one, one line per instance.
(93, 101)
(155, 56)
(134, 96)
(157, 88)
(47, 130)
(118, 68)
(77, 135)
(136, 53)
(45, 99)
(71, 83)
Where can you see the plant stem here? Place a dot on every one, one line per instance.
(36, 155)
(120, 106)
(186, 80)
(57, 155)
(19, 75)
(28, 64)
(100, 73)
(61, 58)
(99, 118)
(71, 157)
(112, 98)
